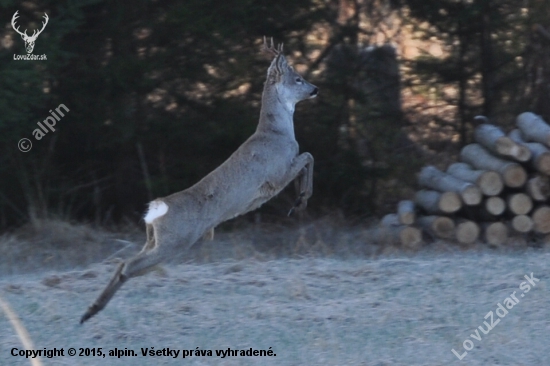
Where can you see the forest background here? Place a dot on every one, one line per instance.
(161, 92)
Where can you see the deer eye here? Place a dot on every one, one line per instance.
(299, 80)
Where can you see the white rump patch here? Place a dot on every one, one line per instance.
(156, 210)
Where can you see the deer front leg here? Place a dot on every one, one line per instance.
(304, 179)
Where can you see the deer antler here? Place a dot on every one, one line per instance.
(35, 33)
(271, 48)
(15, 16)
(43, 26)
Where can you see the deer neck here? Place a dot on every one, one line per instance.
(276, 115)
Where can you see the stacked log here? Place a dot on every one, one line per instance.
(391, 230)
(431, 177)
(489, 182)
(512, 173)
(494, 205)
(434, 202)
(466, 232)
(541, 219)
(495, 233)
(538, 188)
(494, 139)
(500, 187)
(406, 212)
(540, 155)
(534, 128)
(437, 226)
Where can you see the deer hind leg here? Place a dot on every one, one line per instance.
(136, 266)
(151, 242)
(208, 235)
(302, 172)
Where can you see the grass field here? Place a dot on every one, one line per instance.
(325, 297)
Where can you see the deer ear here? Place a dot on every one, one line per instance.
(282, 65)
(278, 68)
(275, 70)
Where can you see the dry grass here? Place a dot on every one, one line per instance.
(319, 293)
(61, 245)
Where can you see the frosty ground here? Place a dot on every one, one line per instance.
(396, 308)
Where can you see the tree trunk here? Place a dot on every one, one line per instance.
(435, 203)
(463, 77)
(437, 226)
(493, 139)
(512, 173)
(486, 48)
(534, 128)
(489, 182)
(406, 212)
(431, 177)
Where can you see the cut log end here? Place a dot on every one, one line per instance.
(505, 146)
(438, 226)
(471, 195)
(490, 183)
(392, 231)
(522, 224)
(435, 203)
(520, 203)
(467, 232)
(495, 205)
(538, 188)
(410, 237)
(514, 176)
(542, 163)
(513, 150)
(495, 233)
(450, 202)
(523, 154)
(541, 218)
(444, 226)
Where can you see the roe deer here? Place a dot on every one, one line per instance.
(260, 168)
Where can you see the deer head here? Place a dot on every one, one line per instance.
(290, 86)
(29, 40)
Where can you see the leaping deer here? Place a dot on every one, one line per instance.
(29, 40)
(260, 168)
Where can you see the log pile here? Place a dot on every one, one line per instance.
(499, 189)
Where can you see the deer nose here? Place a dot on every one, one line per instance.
(314, 92)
